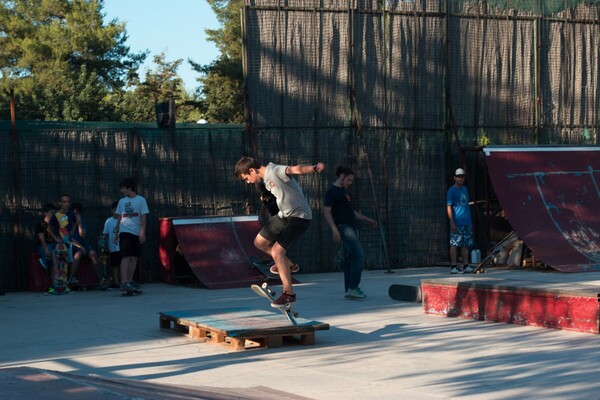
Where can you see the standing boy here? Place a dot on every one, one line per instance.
(293, 219)
(114, 252)
(461, 228)
(343, 221)
(130, 230)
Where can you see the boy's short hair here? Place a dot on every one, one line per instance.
(342, 170)
(244, 165)
(114, 205)
(49, 207)
(128, 183)
(60, 196)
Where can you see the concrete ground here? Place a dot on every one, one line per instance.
(377, 348)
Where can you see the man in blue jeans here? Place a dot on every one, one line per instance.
(343, 221)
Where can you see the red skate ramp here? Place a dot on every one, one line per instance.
(551, 197)
(219, 250)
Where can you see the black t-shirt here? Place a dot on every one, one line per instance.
(42, 227)
(340, 202)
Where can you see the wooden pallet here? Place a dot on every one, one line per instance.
(240, 328)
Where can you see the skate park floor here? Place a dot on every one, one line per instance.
(100, 345)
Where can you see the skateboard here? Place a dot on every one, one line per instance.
(262, 266)
(130, 293)
(267, 293)
(60, 281)
(405, 293)
(104, 258)
(480, 268)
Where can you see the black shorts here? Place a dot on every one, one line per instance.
(114, 258)
(130, 245)
(285, 231)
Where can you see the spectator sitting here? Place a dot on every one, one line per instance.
(46, 242)
(80, 246)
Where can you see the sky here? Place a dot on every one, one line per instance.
(175, 27)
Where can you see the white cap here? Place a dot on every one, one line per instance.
(459, 171)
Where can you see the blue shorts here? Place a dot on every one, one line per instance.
(463, 236)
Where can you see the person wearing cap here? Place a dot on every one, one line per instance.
(461, 227)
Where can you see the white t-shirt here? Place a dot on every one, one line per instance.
(131, 210)
(287, 191)
(109, 229)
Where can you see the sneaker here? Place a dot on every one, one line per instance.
(43, 262)
(456, 270)
(72, 279)
(354, 294)
(127, 287)
(294, 268)
(284, 300)
(468, 269)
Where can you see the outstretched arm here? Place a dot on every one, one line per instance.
(366, 219)
(305, 169)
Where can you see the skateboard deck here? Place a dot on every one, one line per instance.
(489, 260)
(104, 258)
(405, 293)
(267, 293)
(60, 280)
(263, 267)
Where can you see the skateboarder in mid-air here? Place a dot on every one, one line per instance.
(282, 230)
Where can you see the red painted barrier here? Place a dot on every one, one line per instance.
(518, 302)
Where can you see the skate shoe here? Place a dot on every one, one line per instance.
(294, 268)
(456, 270)
(355, 294)
(284, 300)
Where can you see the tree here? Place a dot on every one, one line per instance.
(223, 81)
(161, 84)
(223, 90)
(61, 60)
